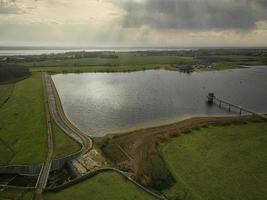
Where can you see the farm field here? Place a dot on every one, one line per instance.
(5, 92)
(136, 61)
(222, 163)
(8, 194)
(123, 59)
(105, 186)
(22, 122)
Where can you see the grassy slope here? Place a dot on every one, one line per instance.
(5, 92)
(22, 126)
(64, 145)
(8, 194)
(105, 186)
(222, 163)
(23, 129)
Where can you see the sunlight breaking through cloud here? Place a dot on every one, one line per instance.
(133, 22)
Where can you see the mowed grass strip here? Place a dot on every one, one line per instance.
(222, 163)
(105, 186)
(22, 123)
(63, 144)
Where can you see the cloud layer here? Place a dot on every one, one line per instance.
(134, 22)
(8, 7)
(194, 14)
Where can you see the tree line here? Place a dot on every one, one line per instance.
(10, 72)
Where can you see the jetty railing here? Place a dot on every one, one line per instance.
(213, 99)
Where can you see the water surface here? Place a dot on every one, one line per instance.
(101, 103)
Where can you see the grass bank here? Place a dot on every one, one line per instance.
(8, 194)
(63, 144)
(22, 127)
(5, 93)
(222, 163)
(105, 186)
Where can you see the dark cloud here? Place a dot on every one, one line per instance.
(194, 14)
(8, 7)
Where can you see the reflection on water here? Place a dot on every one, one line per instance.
(100, 103)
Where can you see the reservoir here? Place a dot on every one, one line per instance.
(102, 103)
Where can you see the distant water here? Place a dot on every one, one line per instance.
(30, 52)
(8, 51)
(100, 103)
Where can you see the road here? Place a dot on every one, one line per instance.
(53, 104)
(44, 174)
(60, 118)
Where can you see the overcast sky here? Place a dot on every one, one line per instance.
(133, 22)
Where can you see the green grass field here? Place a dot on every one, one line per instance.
(128, 62)
(22, 126)
(14, 194)
(222, 163)
(5, 92)
(81, 69)
(124, 59)
(105, 186)
(63, 144)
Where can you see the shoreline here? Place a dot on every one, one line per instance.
(189, 119)
(128, 69)
(164, 123)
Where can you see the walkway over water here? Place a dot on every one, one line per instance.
(213, 99)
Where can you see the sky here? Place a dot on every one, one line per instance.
(133, 23)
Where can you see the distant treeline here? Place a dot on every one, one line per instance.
(62, 56)
(12, 72)
(208, 52)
